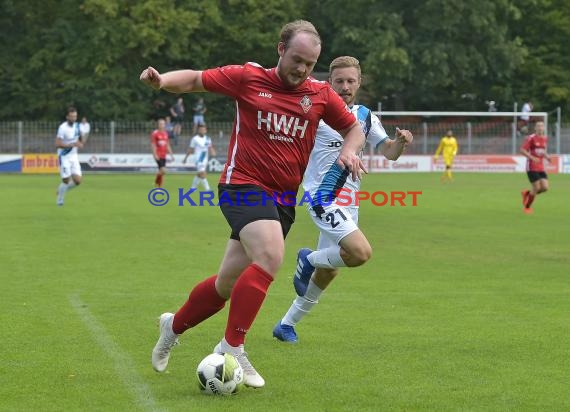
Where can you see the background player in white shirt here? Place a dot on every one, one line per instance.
(200, 146)
(341, 242)
(67, 141)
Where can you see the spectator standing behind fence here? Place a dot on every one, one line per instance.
(67, 141)
(525, 118)
(199, 110)
(177, 110)
(84, 129)
(169, 127)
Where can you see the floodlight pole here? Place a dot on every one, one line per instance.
(469, 134)
(558, 120)
(20, 137)
(514, 129)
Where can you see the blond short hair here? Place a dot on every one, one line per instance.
(343, 62)
(298, 26)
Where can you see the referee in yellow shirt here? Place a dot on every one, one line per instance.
(448, 144)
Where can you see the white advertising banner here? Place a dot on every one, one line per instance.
(403, 164)
(142, 163)
(565, 164)
(462, 163)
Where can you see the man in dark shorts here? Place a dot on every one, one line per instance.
(277, 114)
(534, 149)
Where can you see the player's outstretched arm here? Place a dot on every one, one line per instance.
(392, 149)
(179, 81)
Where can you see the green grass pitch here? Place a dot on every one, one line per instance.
(465, 305)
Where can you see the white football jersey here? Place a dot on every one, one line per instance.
(69, 134)
(201, 146)
(324, 177)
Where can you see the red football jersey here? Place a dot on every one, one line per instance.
(536, 146)
(159, 139)
(274, 129)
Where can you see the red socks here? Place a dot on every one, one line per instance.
(158, 180)
(202, 303)
(529, 199)
(247, 297)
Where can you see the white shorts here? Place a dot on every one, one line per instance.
(335, 223)
(201, 166)
(69, 165)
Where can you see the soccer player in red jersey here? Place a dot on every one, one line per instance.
(277, 114)
(160, 147)
(534, 149)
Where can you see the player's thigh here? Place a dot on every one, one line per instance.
(76, 169)
(356, 247)
(448, 161)
(543, 184)
(64, 167)
(537, 186)
(201, 169)
(264, 243)
(334, 221)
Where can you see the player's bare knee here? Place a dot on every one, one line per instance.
(269, 260)
(360, 255)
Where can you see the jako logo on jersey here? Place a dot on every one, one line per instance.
(306, 103)
(288, 125)
(263, 94)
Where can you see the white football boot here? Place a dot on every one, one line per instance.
(250, 375)
(166, 341)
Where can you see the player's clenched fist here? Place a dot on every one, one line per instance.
(151, 77)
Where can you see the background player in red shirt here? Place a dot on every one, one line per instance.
(160, 147)
(534, 149)
(277, 114)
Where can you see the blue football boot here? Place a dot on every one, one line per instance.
(303, 272)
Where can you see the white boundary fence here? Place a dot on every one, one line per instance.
(477, 132)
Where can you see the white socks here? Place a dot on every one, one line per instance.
(302, 305)
(203, 181)
(327, 258)
(62, 189)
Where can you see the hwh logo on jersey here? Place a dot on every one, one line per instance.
(288, 125)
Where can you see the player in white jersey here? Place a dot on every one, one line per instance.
(341, 243)
(67, 141)
(200, 146)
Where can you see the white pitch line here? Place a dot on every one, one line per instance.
(123, 364)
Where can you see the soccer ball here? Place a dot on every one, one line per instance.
(220, 374)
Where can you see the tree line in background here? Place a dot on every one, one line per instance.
(415, 54)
